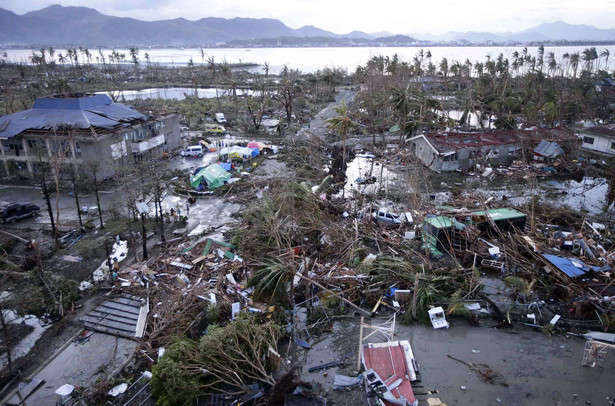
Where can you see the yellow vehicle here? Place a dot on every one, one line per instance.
(214, 129)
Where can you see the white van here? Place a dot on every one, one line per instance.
(220, 118)
(193, 151)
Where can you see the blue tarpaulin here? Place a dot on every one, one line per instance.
(572, 267)
(226, 165)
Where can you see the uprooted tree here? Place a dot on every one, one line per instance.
(226, 360)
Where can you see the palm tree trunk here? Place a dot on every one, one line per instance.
(7, 340)
(344, 164)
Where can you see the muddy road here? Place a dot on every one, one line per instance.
(319, 123)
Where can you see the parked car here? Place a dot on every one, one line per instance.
(11, 212)
(192, 151)
(214, 129)
(220, 118)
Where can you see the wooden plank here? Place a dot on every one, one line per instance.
(199, 259)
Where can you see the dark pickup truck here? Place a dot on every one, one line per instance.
(11, 212)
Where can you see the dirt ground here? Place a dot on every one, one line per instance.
(539, 370)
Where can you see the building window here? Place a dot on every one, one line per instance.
(493, 153)
(36, 144)
(612, 145)
(451, 157)
(588, 140)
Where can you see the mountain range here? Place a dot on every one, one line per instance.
(82, 26)
(57, 25)
(556, 31)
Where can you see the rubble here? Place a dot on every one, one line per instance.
(305, 255)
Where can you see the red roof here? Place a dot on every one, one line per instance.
(452, 141)
(608, 130)
(389, 361)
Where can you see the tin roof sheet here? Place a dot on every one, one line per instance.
(55, 113)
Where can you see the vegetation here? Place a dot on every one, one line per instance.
(225, 360)
(523, 91)
(85, 71)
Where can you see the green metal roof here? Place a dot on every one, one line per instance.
(439, 221)
(501, 214)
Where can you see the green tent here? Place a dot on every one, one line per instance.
(214, 175)
(394, 129)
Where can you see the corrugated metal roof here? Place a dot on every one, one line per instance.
(53, 113)
(444, 142)
(388, 360)
(548, 149)
(572, 267)
(122, 316)
(608, 130)
(439, 221)
(500, 214)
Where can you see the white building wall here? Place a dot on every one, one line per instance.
(602, 143)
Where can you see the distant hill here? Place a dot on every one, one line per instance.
(557, 31)
(62, 26)
(560, 30)
(82, 26)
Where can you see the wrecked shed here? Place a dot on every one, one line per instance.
(547, 151)
(437, 232)
(506, 219)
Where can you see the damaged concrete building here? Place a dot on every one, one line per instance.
(83, 129)
(451, 151)
(599, 139)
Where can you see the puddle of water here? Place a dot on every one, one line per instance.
(589, 194)
(204, 214)
(25, 345)
(178, 93)
(365, 167)
(473, 118)
(193, 163)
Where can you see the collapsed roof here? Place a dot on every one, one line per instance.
(81, 111)
(444, 142)
(548, 149)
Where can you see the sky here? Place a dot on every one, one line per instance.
(343, 16)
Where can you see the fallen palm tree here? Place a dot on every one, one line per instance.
(226, 360)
